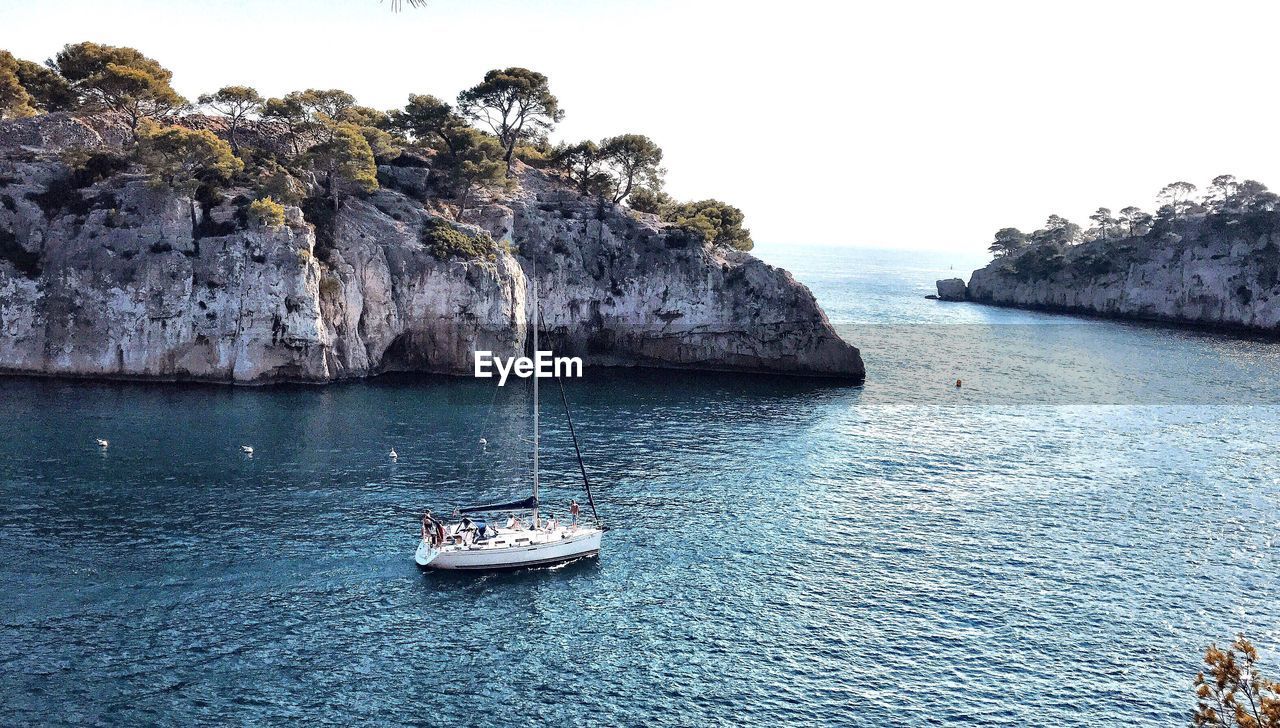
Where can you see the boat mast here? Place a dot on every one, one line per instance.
(535, 402)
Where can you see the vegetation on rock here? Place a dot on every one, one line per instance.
(321, 144)
(267, 213)
(15, 101)
(466, 158)
(182, 158)
(119, 79)
(1246, 207)
(446, 241)
(236, 103)
(614, 167)
(515, 103)
(345, 157)
(648, 200)
(49, 91)
(713, 221)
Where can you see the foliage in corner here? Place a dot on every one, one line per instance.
(15, 102)
(446, 241)
(1232, 693)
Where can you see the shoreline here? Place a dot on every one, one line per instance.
(1233, 330)
(833, 380)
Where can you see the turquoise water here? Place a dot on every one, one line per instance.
(1052, 544)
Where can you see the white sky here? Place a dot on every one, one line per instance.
(887, 124)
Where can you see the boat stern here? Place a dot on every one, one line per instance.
(425, 554)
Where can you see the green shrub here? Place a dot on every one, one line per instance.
(648, 200)
(182, 159)
(267, 213)
(446, 241)
(712, 220)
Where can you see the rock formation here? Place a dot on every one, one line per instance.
(951, 289)
(110, 276)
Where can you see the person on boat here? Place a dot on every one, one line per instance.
(432, 529)
(514, 523)
(466, 531)
(573, 512)
(551, 522)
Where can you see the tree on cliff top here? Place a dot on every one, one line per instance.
(1253, 196)
(15, 102)
(120, 79)
(1232, 693)
(431, 123)
(1222, 190)
(1176, 195)
(1134, 219)
(324, 104)
(1057, 230)
(476, 163)
(345, 157)
(516, 103)
(1106, 222)
(1008, 241)
(49, 90)
(583, 162)
(181, 158)
(714, 221)
(635, 159)
(236, 103)
(290, 113)
(646, 199)
(466, 159)
(384, 138)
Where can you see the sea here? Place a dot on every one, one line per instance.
(1053, 543)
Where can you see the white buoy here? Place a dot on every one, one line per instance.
(393, 454)
(102, 443)
(246, 450)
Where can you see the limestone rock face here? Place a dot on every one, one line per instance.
(118, 278)
(951, 289)
(1208, 275)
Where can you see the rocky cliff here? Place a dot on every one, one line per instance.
(103, 274)
(1219, 272)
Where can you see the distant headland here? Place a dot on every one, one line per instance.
(1210, 258)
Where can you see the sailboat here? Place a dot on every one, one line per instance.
(473, 544)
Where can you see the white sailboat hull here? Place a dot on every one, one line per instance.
(540, 550)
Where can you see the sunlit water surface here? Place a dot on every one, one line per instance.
(1052, 544)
